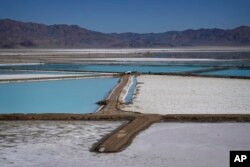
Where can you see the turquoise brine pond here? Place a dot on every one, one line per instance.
(110, 67)
(62, 96)
(244, 72)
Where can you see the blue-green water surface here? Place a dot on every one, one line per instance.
(245, 72)
(64, 96)
(111, 67)
(129, 97)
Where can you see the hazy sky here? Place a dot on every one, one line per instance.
(131, 15)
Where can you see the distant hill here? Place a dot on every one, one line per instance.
(15, 34)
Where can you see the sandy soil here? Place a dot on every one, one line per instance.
(190, 95)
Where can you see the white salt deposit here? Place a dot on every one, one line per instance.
(188, 144)
(31, 76)
(191, 95)
(67, 143)
(19, 64)
(51, 143)
(5, 52)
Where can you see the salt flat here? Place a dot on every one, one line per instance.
(67, 143)
(19, 64)
(189, 144)
(120, 51)
(32, 76)
(190, 95)
(51, 143)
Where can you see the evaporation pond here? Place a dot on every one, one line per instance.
(244, 72)
(62, 96)
(110, 67)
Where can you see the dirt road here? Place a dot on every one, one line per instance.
(124, 135)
